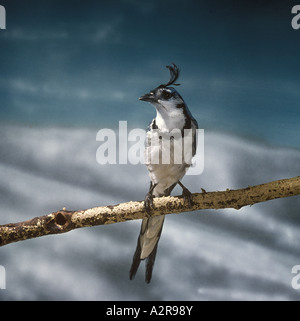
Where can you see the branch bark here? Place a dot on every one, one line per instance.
(64, 221)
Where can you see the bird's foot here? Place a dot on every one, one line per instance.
(148, 203)
(187, 196)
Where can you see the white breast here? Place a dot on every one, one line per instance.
(165, 161)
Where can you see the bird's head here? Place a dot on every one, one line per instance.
(163, 97)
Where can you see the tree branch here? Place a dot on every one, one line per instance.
(64, 221)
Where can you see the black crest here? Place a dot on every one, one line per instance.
(174, 74)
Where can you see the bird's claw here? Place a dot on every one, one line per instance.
(148, 203)
(187, 196)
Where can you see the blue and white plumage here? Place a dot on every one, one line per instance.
(174, 121)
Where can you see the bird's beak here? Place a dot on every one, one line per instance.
(148, 97)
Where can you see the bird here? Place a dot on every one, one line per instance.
(172, 116)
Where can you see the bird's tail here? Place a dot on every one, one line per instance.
(148, 241)
(147, 245)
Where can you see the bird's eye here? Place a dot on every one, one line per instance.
(166, 95)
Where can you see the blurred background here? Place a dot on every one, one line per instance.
(70, 68)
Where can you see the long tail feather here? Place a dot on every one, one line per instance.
(150, 261)
(136, 260)
(147, 243)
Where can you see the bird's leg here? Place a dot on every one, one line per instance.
(148, 202)
(186, 194)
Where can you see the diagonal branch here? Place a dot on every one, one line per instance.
(64, 221)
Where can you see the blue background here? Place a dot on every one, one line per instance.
(81, 63)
